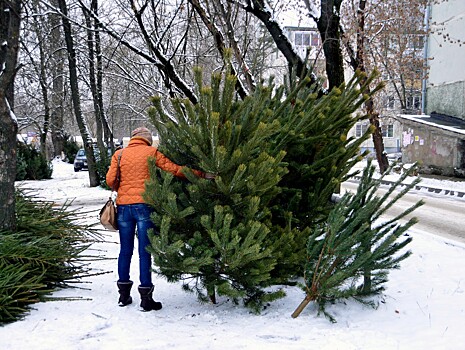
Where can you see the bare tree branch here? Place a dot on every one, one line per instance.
(160, 61)
(258, 9)
(219, 41)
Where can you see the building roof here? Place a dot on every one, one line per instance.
(438, 120)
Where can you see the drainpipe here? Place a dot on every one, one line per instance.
(425, 58)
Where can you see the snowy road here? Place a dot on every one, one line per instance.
(440, 215)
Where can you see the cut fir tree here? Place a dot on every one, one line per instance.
(350, 255)
(215, 235)
(245, 231)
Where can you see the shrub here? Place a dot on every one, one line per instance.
(103, 164)
(70, 149)
(31, 164)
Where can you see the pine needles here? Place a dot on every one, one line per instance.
(45, 253)
(350, 255)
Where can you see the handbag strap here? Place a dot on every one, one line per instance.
(117, 173)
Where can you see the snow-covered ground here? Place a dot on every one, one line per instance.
(423, 306)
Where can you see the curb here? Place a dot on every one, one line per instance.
(442, 191)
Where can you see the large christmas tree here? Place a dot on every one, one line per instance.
(278, 156)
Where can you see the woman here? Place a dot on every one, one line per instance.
(133, 212)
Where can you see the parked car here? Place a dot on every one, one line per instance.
(80, 161)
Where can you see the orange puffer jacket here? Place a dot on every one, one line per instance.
(134, 169)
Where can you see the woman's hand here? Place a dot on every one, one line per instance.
(209, 176)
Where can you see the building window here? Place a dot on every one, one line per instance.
(306, 39)
(302, 39)
(390, 102)
(387, 130)
(315, 40)
(360, 129)
(415, 42)
(413, 102)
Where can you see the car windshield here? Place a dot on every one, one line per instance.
(81, 153)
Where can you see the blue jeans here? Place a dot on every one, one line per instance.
(129, 217)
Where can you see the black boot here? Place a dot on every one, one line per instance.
(146, 301)
(124, 289)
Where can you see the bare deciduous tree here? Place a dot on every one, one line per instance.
(10, 19)
(357, 62)
(389, 34)
(377, 35)
(57, 75)
(150, 47)
(73, 77)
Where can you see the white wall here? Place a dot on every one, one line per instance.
(448, 59)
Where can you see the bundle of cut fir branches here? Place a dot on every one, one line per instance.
(47, 251)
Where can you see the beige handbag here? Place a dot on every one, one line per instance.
(108, 213)
(108, 216)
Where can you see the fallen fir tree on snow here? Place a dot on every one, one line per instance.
(351, 253)
(46, 252)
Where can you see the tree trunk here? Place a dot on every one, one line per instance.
(86, 138)
(357, 62)
(42, 70)
(108, 132)
(377, 135)
(328, 26)
(10, 20)
(301, 306)
(57, 98)
(93, 82)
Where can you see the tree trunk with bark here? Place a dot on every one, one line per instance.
(57, 98)
(359, 63)
(10, 20)
(86, 138)
(93, 82)
(41, 67)
(328, 25)
(107, 131)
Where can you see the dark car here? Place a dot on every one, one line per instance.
(80, 161)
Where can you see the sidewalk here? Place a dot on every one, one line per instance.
(443, 185)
